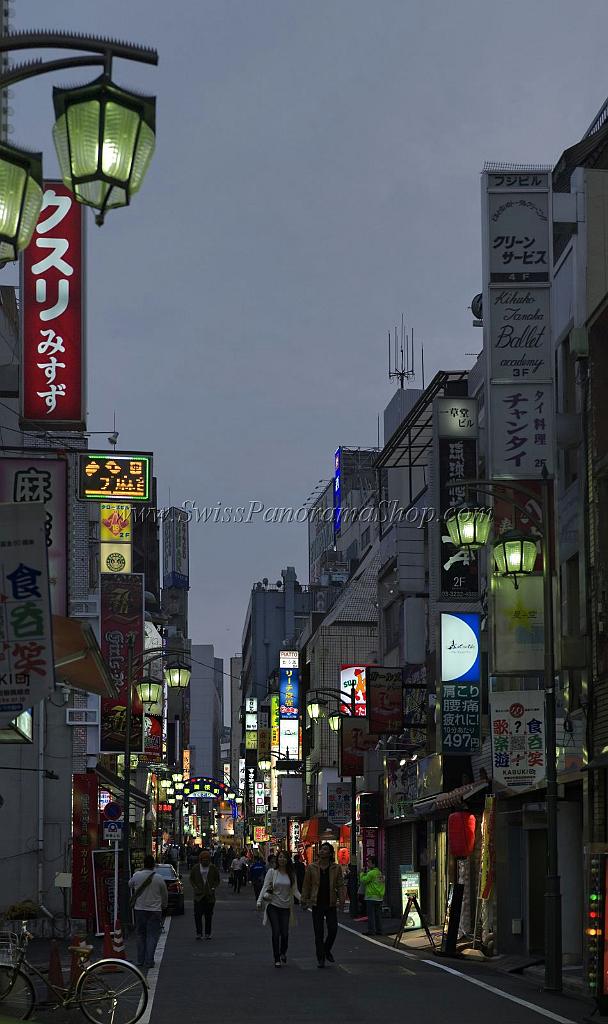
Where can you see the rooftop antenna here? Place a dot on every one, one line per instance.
(422, 362)
(401, 355)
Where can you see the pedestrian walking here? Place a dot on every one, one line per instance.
(204, 878)
(257, 873)
(300, 869)
(234, 871)
(277, 900)
(149, 899)
(323, 891)
(373, 883)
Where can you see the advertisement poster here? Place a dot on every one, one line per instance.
(519, 628)
(488, 851)
(415, 702)
(355, 739)
(52, 388)
(384, 699)
(461, 718)
(27, 666)
(45, 480)
(85, 818)
(338, 803)
(353, 687)
(518, 738)
(400, 788)
(410, 886)
(122, 617)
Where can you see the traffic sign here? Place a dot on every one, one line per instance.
(112, 811)
(112, 830)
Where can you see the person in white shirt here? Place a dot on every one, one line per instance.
(239, 869)
(151, 899)
(277, 898)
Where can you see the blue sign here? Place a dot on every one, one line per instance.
(289, 693)
(337, 490)
(460, 634)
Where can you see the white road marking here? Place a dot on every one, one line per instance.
(467, 977)
(153, 974)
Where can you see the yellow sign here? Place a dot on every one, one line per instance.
(274, 722)
(186, 763)
(260, 835)
(114, 522)
(109, 476)
(251, 741)
(115, 557)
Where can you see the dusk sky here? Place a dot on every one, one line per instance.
(317, 173)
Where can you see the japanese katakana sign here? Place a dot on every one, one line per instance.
(115, 476)
(52, 285)
(521, 429)
(461, 718)
(518, 738)
(459, 567)
(519, 237)
(26, 641)
(45, 481)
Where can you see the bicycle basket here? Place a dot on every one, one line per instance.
(9, 948)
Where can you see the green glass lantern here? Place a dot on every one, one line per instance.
(150, 691)
(515, 554)
(21, 195)
(264, 764)
(104, 137)
(469, 527)
(177, 675)
(334, 721)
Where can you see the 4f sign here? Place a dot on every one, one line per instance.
(460, 647)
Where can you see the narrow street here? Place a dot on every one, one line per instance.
(233, 975)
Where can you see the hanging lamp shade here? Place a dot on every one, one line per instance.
(515, 554)
(177, 675)
(334, 721)
(469, 527)
(264, 764)
(150, 691)
(20, 199)
(104, 137)
(461, 834)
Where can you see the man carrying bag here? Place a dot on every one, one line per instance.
(148, 899)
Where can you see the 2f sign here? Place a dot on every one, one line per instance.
(52, 334)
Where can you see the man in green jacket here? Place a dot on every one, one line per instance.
(373, 882)
(204, 879)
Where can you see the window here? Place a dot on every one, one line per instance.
(392, 626)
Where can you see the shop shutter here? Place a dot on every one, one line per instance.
(399, 850)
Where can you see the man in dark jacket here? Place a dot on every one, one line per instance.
(204, 879)
(323, 892)
(257, 874)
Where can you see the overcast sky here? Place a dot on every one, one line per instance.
(316, 174)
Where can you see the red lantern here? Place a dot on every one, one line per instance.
(343, 856)
(461, 834)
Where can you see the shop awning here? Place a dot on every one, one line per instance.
(109, 780)
(453, 800)
(317, 829)
(78, 660)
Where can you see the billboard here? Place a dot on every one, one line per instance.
(353, 686)
(85, 819)
(52, 391)
(518, 738)
(459, 576)
(289, 696)
(27, 667)
(115, 476)
(338, 803)
(337, 491)
(518, 641)
(461, 718)
(460, 646)
(175, 550)
(355, 740)
(43, 480)
(384, 699)
(122, 617)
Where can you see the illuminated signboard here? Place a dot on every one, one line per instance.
(353, 685)
(289, 659)
(251, 722)
(109, 476)
(337, 491)
(251, 705)
(460, 632)
(288, 693)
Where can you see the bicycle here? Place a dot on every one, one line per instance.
(107, 991)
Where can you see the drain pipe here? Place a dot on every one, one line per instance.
(41, 724)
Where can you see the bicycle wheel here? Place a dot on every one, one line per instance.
(112, 992)
(17, 995)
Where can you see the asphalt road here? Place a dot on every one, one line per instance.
(233, 977)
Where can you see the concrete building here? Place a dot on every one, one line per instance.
(206, 711)
(275, 615)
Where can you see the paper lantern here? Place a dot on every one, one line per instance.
(461, 834)
(343, 856)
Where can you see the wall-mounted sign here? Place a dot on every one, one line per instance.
(518, 738)
(289, 659)
(251, 705)
(520, 340)
(115, 558)
(337, 490)
(457, 417)
(460, 632)
(461, 718)
(522, 429)
(115, 523)
(176, 571)
(355, 739)
(52, 391)
(384, 699)
(353, 688)
(251, 739)
(43, 480)
(459, 567)
(112, 476)
(289, 686)
(338, 803)
(122, 617)
(251, 722)
(289, 739)
(274, 722)
(518, 646)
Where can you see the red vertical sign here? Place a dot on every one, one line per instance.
(52, 330)
(122, 617)
(85, 818)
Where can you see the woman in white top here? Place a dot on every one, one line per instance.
(277, 897)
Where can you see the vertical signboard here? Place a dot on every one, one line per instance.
(517, 259)
(460, 683)
(43, 480)
(518, 738)
(456, 434)
(338, 803)
(85, 818)
(518, 646)
(115, 538)
(384, 699)
(355, 740)
(27, 673)
(52, 393)
(353, 690)
(122, 617)
(175, 550)
(289, 709)
(337, 491)
(274, 723)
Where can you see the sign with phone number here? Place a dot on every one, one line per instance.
(461, 718)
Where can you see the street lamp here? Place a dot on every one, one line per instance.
(264, 764)
(515, 554)
(104, 137)
(177, 674)
(334, 721)
(469, 527)
(150, 691)
(316, 709)
(20, 199)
